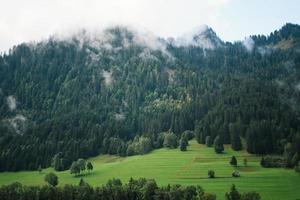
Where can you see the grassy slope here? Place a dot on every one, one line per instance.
(190, 167)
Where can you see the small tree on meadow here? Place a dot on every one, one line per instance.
(218, 144)
(82, 164)
(297, 168)
(183, 144)
(75, 169)
(245, 162)
(233, 194)
(40, 168)
(233, 161)
(208, 141)
(211, 174)
(52, 179)
(89, 166)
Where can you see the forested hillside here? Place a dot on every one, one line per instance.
(119, 91)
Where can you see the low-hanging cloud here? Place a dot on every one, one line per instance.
(108, 79)
(199, 37)
(11, 102)
(24, 21)
(248, 44)
(18, 123)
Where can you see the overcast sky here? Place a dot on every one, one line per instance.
(27, 20)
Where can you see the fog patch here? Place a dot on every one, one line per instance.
(18, 123)
(170, 74)
(146, 55)
(11, 102)
(120, 116)
(297, 86)
(202, 36)
(248, 43)
(279, 83)
(263, 50)
(289, 66)
(108, 79)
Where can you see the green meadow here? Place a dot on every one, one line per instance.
(171, 166)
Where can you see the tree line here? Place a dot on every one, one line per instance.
(135, 189)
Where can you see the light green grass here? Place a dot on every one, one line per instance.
(175, 167)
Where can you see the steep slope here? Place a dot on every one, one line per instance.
(95, 92)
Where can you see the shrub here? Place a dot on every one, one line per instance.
(211, 174)
(233, 161)
(235, 174)
(272, 162)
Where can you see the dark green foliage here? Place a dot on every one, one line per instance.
(235, 174)
(170, 140)
(211, 174)
(89, 166)
(288, 155)
(233, 194)
(61, 91)
(78, 167)
(233, 161)
(40, 169)
(297, 167)
(250, 196)
(51, 178)
(272, 162)
(218, 145)
(75, 169)
(188, 134)
(140, 145)
(208, 196)
(235, 139)
(135, 189)
(59, 163)
(183, 143)
(208, 141)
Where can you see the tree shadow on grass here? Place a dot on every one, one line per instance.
(83, 175)
(199, 178)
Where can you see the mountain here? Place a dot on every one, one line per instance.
(202, 36)
(119, 90)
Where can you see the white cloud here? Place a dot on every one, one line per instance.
(11, 102)
(297, 86)
(248, 43)
(34, 19)
(201, 36)
(18, 123)
(108, 79)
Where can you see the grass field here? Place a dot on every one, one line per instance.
(186, 168)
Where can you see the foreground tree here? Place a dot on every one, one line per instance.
(250, 196)
(208, 196)
(52, 179)
(233, 194)
(218, 144)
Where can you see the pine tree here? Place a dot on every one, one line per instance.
(233, 161)
(219, 148)
(183, 144)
